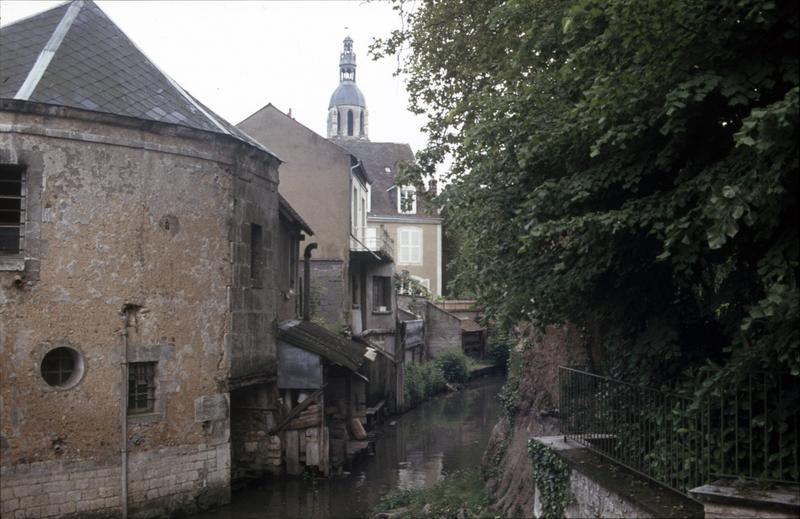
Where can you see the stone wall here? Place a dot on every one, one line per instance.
(599, 488)
(161, 480)
(253, 235)
(442, 330)
(328, 290)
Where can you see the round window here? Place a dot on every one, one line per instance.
(62, 367)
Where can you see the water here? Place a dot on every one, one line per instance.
(441, 436)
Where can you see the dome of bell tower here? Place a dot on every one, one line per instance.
(347, 109)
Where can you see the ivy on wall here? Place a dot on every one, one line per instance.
(551, 475)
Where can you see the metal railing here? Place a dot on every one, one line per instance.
(748, 428)
(374, 239)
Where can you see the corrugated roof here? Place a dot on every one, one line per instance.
(316, 339)
(74, 55)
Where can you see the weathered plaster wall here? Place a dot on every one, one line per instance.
(119, 215)
(314, 170)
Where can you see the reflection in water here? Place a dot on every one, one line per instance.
(446, 434)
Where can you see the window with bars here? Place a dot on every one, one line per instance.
(141, 387)
(12, 209)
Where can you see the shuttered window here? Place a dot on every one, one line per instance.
(410, 245)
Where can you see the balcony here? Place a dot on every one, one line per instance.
(371, 244)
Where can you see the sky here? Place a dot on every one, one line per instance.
(238, 56)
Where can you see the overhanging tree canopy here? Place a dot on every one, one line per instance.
(629, 166)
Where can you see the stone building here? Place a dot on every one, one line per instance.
(415, 228)
(352, 271)
(140, 248)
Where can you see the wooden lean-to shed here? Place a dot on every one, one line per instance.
(319, 383)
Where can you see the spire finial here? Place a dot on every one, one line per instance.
(347, 61)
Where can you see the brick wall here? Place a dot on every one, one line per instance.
(159, 482)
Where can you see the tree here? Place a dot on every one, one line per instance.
(627, 166)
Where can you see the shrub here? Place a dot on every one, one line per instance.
(435, 380)
(498, 349)
(453, 364)
(422, 382)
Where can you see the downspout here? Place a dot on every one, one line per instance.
(307, 281)
(124, 417)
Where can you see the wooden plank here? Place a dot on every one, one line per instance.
(312, 447)
(324, 452)
(293, 467)
(297, 410)
(376, 408)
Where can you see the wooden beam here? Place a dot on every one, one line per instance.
(296, 411)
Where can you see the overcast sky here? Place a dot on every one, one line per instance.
(236, 57)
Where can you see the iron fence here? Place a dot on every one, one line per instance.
(749, 428)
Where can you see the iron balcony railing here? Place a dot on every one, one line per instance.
(372, 239)
(744, 429)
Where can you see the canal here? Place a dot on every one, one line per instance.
(443, 435)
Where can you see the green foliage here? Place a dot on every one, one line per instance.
(630, 167)
(405, 284)
(509, 398)
(422, 381)
(453, 365)
(499, 348)
(552, 480)
(460, 494)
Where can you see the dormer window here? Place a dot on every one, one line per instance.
(407, 200)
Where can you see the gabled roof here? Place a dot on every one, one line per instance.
(377, 157)
(74, 55)
(316, 339)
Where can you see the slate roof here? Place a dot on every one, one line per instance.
(376, 157)
(347, 93)
(314, 338)
(94, 66)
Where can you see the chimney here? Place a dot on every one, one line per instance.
(290, 114)
(432, 185)
(307, 281)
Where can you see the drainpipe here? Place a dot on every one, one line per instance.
(307, 281)
(124, 416)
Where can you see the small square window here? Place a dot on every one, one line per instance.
(141, 387)
(381, 293)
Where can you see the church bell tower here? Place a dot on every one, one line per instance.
(347, 110)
